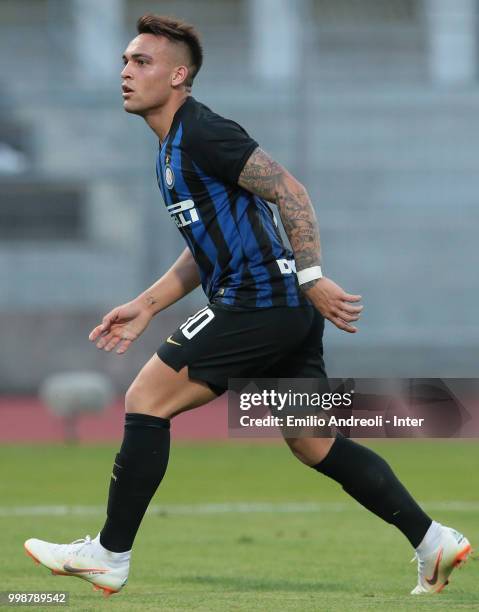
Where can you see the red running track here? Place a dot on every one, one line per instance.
(26, 419)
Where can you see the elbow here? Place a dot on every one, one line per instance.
(300, 188)
(294, 186)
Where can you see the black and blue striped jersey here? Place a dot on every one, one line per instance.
(231, 233)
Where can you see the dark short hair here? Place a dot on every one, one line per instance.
(176, 31)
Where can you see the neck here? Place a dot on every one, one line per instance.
(160, 119)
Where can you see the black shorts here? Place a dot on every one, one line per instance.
(218, 343)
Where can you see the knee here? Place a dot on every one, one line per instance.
(138, 399)
(296, 448)
(310, 451)
(135, 398)
(142, 400)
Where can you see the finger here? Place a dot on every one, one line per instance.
(106, 325)
(345, 316)
(346, 307)
(98, 331)
(104, 340)
(348, 297)
(343, 325)
(108, 320)
(95, 333)
(125, 344)
(112, 343)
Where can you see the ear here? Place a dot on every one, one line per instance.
(180, 74)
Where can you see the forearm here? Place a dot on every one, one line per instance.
(300, 223)
(178, 281)
(268, 179)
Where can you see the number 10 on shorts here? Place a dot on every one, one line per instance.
(196, 322)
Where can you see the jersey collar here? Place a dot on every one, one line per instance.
(176, 119)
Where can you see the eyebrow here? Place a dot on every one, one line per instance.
(138, 55)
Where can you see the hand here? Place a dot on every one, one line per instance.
(121, 326)
(335, 304)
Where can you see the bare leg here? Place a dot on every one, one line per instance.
(157, 394)
(160, 391)
(310, 451)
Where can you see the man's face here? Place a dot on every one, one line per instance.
(150, 73)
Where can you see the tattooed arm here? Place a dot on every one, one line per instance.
(266, 178)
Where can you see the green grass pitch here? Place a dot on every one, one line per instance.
(205, 551)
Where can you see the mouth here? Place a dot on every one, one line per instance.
(127, 91)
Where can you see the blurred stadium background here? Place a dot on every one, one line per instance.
(373, 105)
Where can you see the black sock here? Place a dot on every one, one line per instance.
(137, 472)
(368, 478)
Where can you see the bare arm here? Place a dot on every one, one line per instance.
(178, 281)
(124, 324)
(266, 178)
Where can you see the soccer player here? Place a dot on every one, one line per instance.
(216, 181)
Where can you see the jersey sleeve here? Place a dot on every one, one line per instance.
(220, 147)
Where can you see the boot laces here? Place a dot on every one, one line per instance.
(85, 540)
(81, 541)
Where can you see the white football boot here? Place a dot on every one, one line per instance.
(84, 558)
(442, 550)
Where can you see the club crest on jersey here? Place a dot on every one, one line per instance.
(169, 176)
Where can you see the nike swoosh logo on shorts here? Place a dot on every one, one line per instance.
(432, 581)
(171, 341)
(83, 570)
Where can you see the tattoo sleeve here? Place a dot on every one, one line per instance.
(266, 178)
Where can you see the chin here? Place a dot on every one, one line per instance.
(130, 108)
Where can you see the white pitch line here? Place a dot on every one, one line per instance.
(226, 508)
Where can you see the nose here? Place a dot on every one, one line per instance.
(125, 73)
